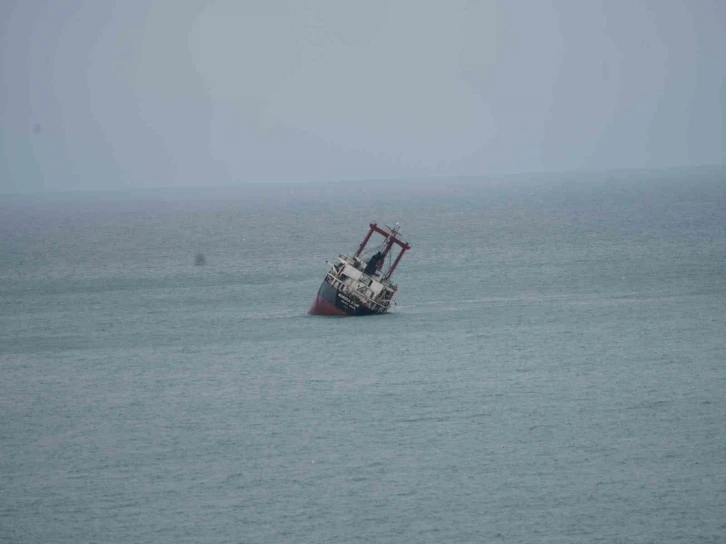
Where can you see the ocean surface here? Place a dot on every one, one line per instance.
(554, 371)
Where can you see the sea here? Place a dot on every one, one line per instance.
(554, 370)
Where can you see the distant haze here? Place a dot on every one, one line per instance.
(109, 95)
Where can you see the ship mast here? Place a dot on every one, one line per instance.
(391, 239)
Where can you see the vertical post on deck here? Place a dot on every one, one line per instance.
(365, 240)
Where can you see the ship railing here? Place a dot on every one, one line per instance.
(335, 282)
(342, 286)
(369, 300)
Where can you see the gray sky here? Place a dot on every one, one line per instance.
(101, 94)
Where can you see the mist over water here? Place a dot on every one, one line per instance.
(553, 371)
(127, 95)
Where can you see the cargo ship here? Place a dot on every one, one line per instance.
(354, 286)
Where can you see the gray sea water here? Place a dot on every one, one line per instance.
(555, 370)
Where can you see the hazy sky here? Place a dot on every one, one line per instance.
(172, 92)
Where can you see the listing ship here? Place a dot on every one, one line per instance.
(354, 286)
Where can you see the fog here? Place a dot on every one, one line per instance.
(173, 93)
